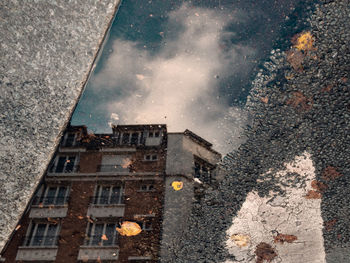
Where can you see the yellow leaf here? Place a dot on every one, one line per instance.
(177, 185)
(304, 41)
(104, 237)
(240, 240)
(129, 229)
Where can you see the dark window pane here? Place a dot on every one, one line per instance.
(104, 195)
(110, 232)
(115, 196)
(197, 169)
(60, 164)
(70, 164)
(125, 139)
(70, 140)
(49, 200)
(39, 235)
(134, 138)
(30, 235)
(156, 134)
(89, 239)
(61, 195)
(96, 239)
(50, 237)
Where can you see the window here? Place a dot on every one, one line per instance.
(125, 138)
(42, 235)
(150, 134)
(52, 195)
(115, 163)
(106, 195)
(156, 134)
(203, 169)
(69, 140)
(101, 234)
(64, 164)
(147, 187)
(151, 157)
(134, 138)
(146, 225)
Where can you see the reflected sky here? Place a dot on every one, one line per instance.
(188, 64)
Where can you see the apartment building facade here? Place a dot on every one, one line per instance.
(95, 182)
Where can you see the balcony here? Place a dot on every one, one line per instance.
(50, 206)
(113, 169)
(106, 207)
(56, 170)
(98, 253)
(42, 248)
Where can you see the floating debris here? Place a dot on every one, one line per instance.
(129, 229)
(281, 238)
(313, 195)
(240, 240)
(330, 173)
(177, 185)
(304, 41)
(264, 252)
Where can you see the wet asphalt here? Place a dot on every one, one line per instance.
(294, 106)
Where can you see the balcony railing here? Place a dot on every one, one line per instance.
(67, 169)
(40, 241)
(50, 200)
(101, 240)
(107, 200)
(112, 168)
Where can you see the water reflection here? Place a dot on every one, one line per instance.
(128, 201)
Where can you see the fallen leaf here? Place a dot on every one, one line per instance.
(264, 252)
(80, 217)
(281, 238)
(313, 195)
(330, 173)
(129, 229)
(265, 99)
(126, 163)
(328, 88)
(104, 237)
(319, 186)
(289, 77)
(295, 59)
(330, 224)
(299, 101)
(177, 185)
(240, 240)
(344, 79)
(304, 41)
(18, 227)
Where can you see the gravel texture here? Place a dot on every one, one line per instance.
(293, 109)
(47, 51)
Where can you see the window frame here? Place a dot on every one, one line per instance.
(148, 185)
(151, 155)
(42, 195)
(54, 167)
(33, 230)
(90, 234)
(98, 194)
(65, 139)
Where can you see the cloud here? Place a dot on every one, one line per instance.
(179, 85)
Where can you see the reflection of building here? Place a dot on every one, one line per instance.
(95, 182)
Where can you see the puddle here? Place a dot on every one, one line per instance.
(200, 138)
